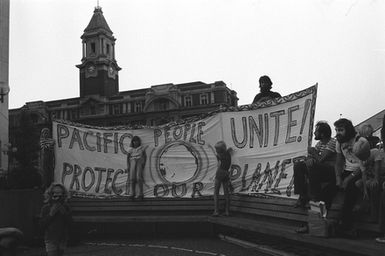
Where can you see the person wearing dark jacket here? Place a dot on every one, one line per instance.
(265, 90)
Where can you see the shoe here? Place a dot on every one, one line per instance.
(380, 240)
(140, 197)
(132, 197)
(227, 214)
(215, 214)
(302, 230)
(322, 208)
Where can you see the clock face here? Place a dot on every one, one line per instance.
(91, 69)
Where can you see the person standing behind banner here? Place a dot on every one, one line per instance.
(265, 93)
(55, 219)
(222, 177)
(352, 150)
(136, 160)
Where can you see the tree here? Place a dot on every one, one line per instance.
(26, 174)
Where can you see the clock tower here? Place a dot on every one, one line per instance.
(99, 69)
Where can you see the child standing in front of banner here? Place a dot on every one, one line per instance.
(222, 177)
(55, 219)
(136, 160)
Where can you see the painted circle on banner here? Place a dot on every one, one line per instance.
(178, 162)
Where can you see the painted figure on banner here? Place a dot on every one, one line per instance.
(222, 177)
(265, 93)
(47, 157)
(136, 160)
(352, 152)
(55, 219)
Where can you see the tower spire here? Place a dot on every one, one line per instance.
(99, 69)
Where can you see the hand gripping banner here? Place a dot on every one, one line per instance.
(178, 159)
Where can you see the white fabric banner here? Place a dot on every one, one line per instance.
(266, 139)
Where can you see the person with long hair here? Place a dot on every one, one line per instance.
(222, 176)
(55, 219)
(136, 160)
(352, 150)
(265, 85)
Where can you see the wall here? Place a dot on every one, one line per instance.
(4, 63)
(19, 209)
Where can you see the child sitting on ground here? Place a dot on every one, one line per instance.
(222, 177)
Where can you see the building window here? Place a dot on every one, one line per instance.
(161, 104)
(187, 101)
(138, 106)
(93, 47)
(74, 114)
(34, 118)
(108, 49)
(117, 109)
(204, 99)
(92, 110)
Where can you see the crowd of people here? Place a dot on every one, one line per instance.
(352, 162)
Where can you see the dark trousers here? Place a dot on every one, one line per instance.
(322, 183)
(316, 183)
(382, 212)
(351, 194)
(300, 180)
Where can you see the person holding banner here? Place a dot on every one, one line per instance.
(136, 160)
(222, 177)
(352, 151)
(265, 93)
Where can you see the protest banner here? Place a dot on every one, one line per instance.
(266, 138)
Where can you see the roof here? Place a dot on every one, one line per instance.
(97, 22)
(375, 121)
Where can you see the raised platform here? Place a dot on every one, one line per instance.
(263, 217)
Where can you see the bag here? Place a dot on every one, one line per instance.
(319, 226)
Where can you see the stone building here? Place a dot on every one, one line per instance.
(4, 85)
(102, 104)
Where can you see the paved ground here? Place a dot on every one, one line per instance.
(153, 247)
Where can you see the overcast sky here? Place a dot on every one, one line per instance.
(338, 44)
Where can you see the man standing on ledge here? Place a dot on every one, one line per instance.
(265, 93)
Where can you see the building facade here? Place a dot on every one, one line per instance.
(102, 104)
(4, 85)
